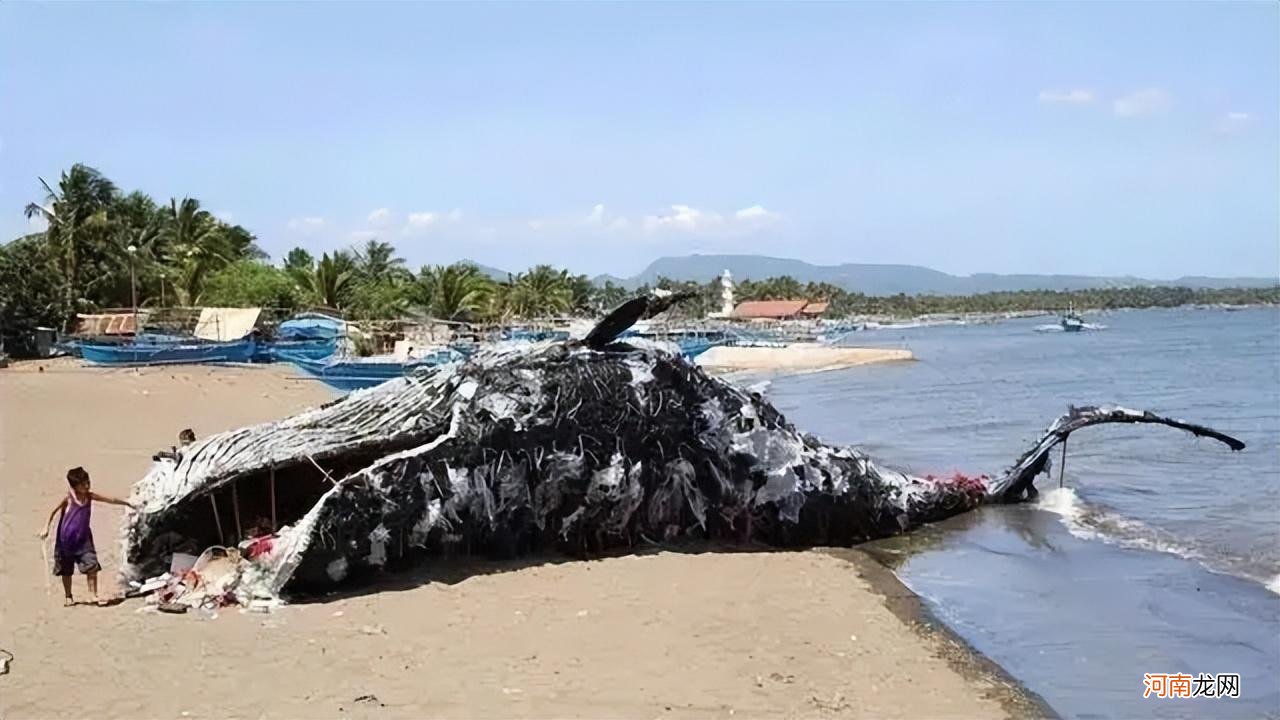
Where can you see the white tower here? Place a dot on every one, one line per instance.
(726, 296)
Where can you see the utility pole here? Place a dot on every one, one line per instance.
(133, 290)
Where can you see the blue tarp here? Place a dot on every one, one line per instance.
(310, 327)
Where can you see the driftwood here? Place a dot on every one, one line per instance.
(551, 446)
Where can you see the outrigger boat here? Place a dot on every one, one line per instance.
(358, 373)
(169, 353)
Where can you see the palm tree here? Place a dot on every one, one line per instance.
(238, 243)
(583, 293)
(452, 292)
(541, 292)
(77, 219)
(193, 242)
(136, 221)
(330, 282)
(377, 263)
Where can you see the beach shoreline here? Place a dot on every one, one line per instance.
(686, 632)
(1014, 696)
(796, 358)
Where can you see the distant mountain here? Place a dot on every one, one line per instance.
(625, 282)
(894, 279)
(492, 272)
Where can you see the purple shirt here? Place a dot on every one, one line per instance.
(74, 534)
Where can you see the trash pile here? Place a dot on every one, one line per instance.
(568, 446)
(220, 577)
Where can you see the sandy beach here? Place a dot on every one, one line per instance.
(663, 634)
(796, 358)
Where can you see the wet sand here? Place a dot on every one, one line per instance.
(796, 634)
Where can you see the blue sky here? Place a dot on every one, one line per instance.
(1116, 138)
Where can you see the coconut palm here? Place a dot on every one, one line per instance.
(377, 262)
(239, 244)
(583, 293)
(541, 292)
(196, 245)
(331, 280)
(78, 224)
(193, 244)
(452, 292)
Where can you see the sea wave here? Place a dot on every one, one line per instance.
(1089, 521)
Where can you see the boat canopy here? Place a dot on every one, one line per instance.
(224, 324)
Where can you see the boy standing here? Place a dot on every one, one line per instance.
(73, 545)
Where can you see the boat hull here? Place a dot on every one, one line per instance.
(351, 375)
(238, 351)
(282, 350)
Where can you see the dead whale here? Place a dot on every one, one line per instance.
(569, 446)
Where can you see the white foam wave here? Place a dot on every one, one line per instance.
(1057, 327)
(1090, 522)
(1061, 501)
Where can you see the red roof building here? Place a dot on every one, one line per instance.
(772, 309)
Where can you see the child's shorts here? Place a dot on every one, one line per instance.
(86, 561)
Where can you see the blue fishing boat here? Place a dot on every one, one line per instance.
(358, 373)
(168, 353)
(282, 350)
(692, 343)
(71, 344)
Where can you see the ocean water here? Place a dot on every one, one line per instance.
(1161, 554)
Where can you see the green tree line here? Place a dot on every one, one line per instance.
(101, 244)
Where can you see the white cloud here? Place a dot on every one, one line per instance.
(360, 236)
(420, 222)
(380, 217)
(683, 217)
(755, 213)
(1234, 122)
(307, 225)
(1066, 97)
(37, 223)
(680, 219)
(1143, 102)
